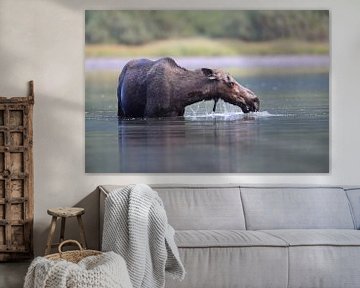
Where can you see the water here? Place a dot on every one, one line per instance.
(289, 135)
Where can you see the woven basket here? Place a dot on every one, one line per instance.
(72, 256)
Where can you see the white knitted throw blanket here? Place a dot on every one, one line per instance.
(136, 227)
(104, 271)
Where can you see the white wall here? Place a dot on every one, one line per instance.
(43, 40)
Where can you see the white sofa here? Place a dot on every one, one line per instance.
(244, 236)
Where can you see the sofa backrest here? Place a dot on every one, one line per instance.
(296, 208)
(203, 208)
(215, 207)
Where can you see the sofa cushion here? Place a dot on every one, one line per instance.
(220, 267)
(192, 208)
(354, 198)
(322, 258)
(226, 238)
(296, 208)
(315, 237)
(199, 207)
(324, 266)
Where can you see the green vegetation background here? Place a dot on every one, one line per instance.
(206, 33)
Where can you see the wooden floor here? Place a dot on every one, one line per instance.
(12, 274)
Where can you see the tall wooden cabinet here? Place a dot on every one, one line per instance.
(16, 177)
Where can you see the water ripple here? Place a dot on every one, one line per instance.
(232, 115)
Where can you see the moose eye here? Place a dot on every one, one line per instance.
(231, 84)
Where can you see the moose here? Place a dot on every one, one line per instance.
(161, 88)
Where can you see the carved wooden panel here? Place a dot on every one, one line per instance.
(16, 177)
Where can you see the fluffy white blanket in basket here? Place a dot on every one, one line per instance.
(136, 227)
(107, 270)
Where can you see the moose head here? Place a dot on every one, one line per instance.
(225, 87)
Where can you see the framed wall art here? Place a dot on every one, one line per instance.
(207, 91)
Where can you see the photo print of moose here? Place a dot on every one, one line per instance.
(207, 91)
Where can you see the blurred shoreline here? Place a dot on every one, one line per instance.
(268, 61)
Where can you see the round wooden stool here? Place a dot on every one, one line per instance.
(64, 213)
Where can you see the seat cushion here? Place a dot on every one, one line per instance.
(225, 238)
(233, 258)
(220, 267)
(322, 258)
(317, 237)
(324, 266)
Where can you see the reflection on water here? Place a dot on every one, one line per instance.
(246, 143)
(289, 135)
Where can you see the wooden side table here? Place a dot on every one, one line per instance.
(64, 213)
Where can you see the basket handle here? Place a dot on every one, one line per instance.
(69, 241)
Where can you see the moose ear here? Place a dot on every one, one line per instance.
(209, 73)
